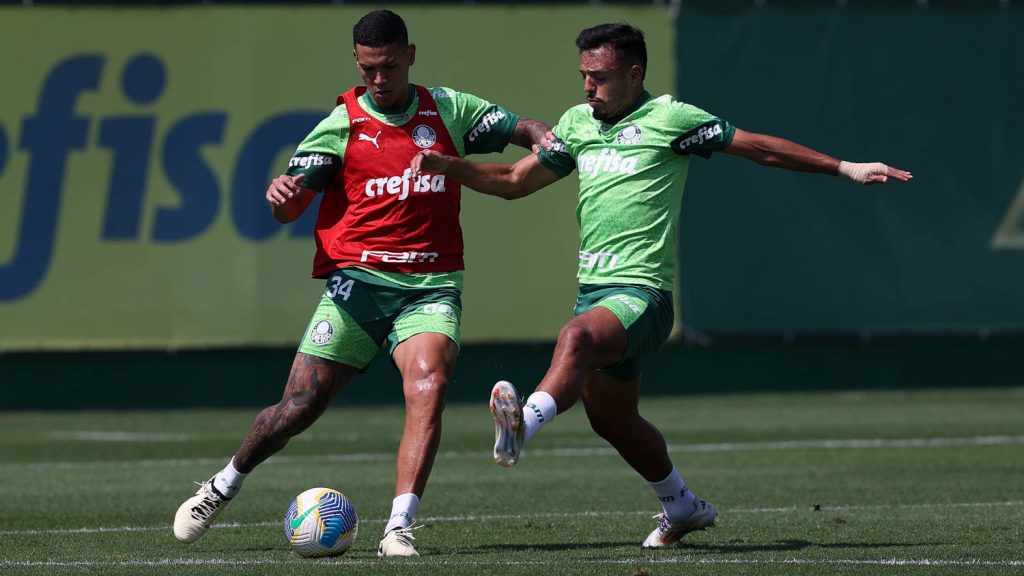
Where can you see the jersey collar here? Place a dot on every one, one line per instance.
(640, 101)
(392, 114)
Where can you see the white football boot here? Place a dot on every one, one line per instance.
(195, 515)
(507, 409)
(667, 532)
(398, 542)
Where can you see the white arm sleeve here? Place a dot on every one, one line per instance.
(859, 172)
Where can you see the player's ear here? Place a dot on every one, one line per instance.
(411, 54)
(636, 74)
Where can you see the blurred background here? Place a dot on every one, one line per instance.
(139, 265)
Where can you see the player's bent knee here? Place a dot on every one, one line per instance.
(429, 390)
(575, 337)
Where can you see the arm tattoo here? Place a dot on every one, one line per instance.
(529, 132)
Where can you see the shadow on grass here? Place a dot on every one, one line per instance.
(793, 545)
(726, 548)
(561, 547)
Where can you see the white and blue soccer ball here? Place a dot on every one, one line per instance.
(320, 522)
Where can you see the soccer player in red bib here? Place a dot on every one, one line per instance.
(389, 246)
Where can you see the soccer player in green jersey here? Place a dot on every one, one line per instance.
(632, 152)
(390, 249)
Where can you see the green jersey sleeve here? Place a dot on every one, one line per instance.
(319, 156)
(476, 125)
(700, 133)
(559, 159)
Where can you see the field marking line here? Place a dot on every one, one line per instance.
(446, 561)
(502, 517)
(864, 443)
(118, 436)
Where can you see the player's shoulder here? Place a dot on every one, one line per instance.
(578, 114)
(463, 107)
(332, 129)
(667, 110)
(337, 121)
(673, 105)
(447, 96)
(666, 103)
(443, 92)
(338, 118)
(448, 100)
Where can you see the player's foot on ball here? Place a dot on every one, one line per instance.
(397, 542)
(668, 531)
(195, 515)
(507, 409)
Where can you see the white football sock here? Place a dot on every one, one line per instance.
(676, 498)
(540, 409)
(229, 481)
(403, 508)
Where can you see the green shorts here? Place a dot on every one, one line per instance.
(359, 311)
(645, 312)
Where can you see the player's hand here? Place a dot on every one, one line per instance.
(284, 188)
(872, 173)
(547, 143)
(428, 161)
(890, 172)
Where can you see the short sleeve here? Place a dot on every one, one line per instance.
(559, 158)
(482, 127)
(319, 156)
(699, 132)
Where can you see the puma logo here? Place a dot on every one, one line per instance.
(369, 139)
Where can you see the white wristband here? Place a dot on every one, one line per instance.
(859, 172)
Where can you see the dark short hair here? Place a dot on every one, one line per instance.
(380, 28)
(627, 41)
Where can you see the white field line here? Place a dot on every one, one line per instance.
(446, 561)
(521, 517)
(116, 436)
(555, 452)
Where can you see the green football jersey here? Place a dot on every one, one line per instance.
(475, 125)
(632, 174)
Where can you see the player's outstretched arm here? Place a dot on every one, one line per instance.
(509, 181)
(782, 153)
(288, 199)
(530, 133)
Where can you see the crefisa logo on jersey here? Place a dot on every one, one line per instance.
(706, 132)
(424, 136)
(607, 161)
(631, 134)
(486, 122)
(322, 332)
(306, 161)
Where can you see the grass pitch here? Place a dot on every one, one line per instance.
(924, 482)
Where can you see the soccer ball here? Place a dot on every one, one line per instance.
(320, 522)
